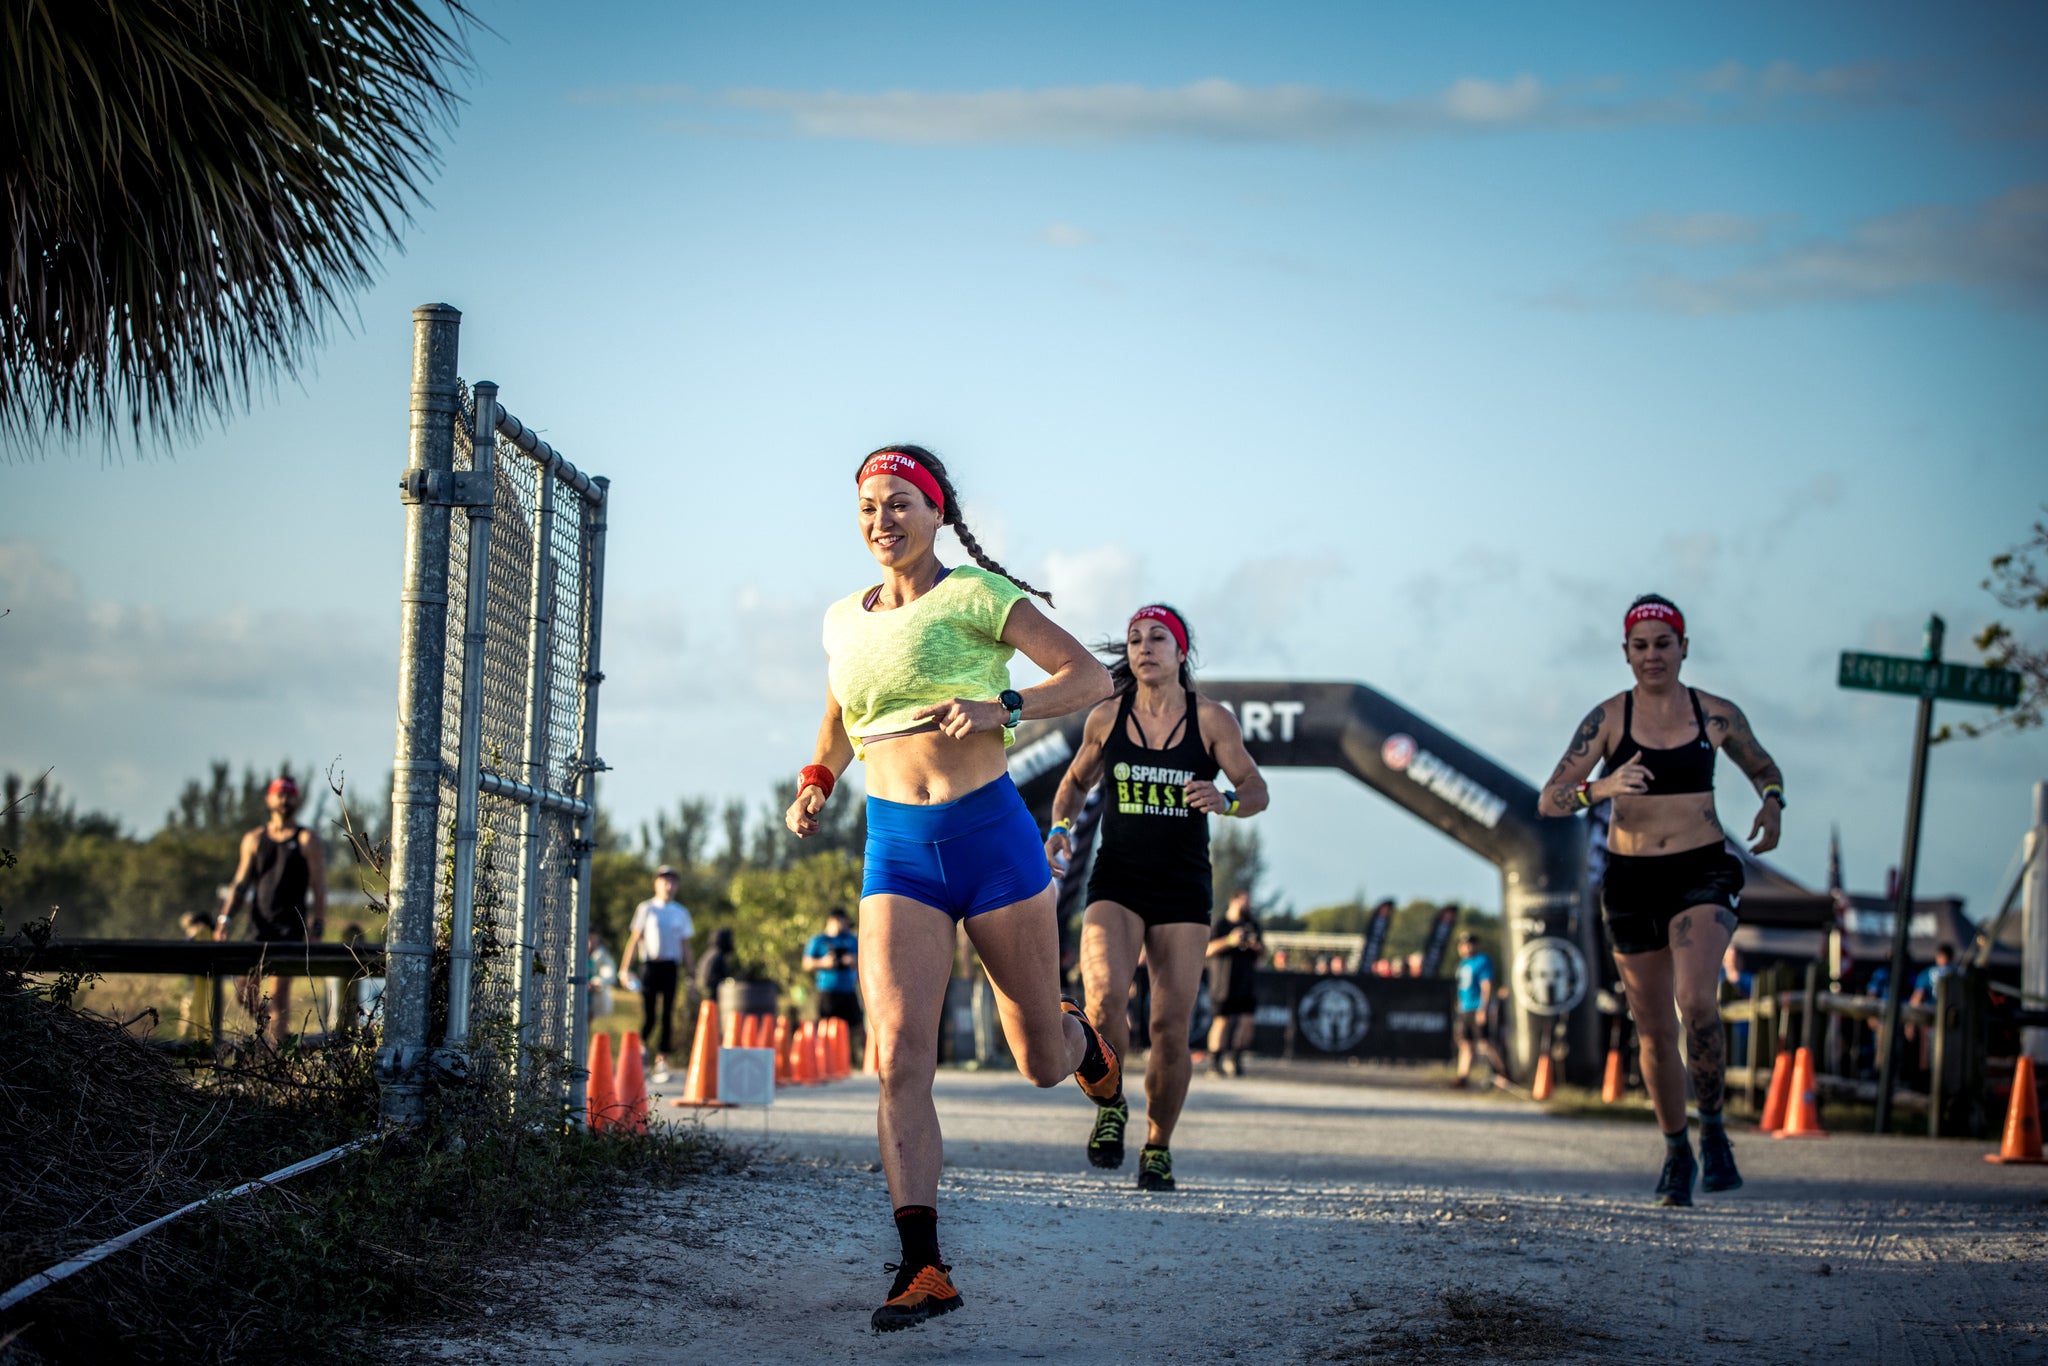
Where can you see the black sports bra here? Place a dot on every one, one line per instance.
(1685, 768)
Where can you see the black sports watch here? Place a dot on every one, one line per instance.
(1013, 702)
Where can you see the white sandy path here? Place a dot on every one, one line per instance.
(1857, 1250)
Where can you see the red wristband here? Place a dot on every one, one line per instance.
(815, 775)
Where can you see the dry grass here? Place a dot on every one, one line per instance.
(103, 1130)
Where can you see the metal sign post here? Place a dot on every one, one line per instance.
(1928, 678)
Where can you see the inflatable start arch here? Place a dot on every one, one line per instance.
(1545, 902)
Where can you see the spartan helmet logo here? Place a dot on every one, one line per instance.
(1121, 772)
(1334, 1015)
(1550, 976)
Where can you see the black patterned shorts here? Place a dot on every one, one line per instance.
(1644, 893)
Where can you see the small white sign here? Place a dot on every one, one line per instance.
(746, 1076)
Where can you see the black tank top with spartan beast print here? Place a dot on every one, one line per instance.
(1148, 832)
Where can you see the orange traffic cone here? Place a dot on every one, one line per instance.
(702, 1086)
(598, 1097)
(750, 1031)
(2022, 1120)
(1611, 1087)
(821, 1052)
(1802, 1120)
(1541, 1089)
(842, 1050)
(1779, 1098)
(801, 1055)
(779, 1041)
(631, 1086)
(871, 1061)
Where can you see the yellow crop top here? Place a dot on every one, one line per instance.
(885, 665)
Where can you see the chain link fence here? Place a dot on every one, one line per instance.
(494, 797)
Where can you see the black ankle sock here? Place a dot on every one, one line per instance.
(918, 1227)
(1678, 1143)
(1710, 1121)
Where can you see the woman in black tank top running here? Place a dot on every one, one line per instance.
(1672, 886)
(1157, 746)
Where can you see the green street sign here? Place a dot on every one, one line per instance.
(1952, 682)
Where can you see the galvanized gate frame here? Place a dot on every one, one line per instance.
(408, 1065)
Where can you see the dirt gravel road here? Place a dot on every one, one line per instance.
(1316, 1222)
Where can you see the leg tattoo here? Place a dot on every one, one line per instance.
(1681, 931)
(1726, 919)
(1706, 1060)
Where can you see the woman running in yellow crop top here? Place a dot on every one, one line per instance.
(920, 690)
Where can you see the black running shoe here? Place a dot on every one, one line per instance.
(1717, 1161)
(919, 1293)
(1675, 1185)
(1106, 1143)
(1155, 1170)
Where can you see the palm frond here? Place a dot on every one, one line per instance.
(194, 188)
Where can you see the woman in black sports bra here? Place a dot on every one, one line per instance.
(1672, 885)
(1158, 745)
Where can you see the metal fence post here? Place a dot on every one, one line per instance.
(469, 757)
(539, 703)
(416, 765)
(595, 521)
(2034, 927)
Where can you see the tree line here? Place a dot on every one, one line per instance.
(737, 867)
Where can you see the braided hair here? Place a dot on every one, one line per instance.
(951, 517)
(1117, 651)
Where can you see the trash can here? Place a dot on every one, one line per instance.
(737, 998)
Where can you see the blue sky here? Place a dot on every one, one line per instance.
(1393, 344)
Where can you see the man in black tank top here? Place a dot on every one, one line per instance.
(1158, 748)
(284, 873)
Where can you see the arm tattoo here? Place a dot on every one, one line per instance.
(1557, 799)
(1741, 745)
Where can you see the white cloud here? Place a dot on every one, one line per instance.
(1999, 248)
(1227, 111)
(60, 642)
(1095, 589)
(1697, 229)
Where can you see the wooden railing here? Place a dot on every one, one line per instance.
(214, 960)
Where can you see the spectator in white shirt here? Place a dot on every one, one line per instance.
(661, 936)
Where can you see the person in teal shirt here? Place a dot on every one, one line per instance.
(1475, 1011)
(835, 957)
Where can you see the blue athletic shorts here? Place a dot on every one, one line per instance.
(962, 857)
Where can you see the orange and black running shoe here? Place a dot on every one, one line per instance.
(919, 1293)
(1108, 1086)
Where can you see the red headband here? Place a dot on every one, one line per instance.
(1167, 618)
(1654, 611)
(903, 467)
(284, 785)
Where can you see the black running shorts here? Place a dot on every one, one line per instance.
(1643, 893)
(1156, 901)
(1471, 1027)
(839, 1005)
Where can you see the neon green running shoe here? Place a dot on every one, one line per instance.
(1106, 1142)
(1155, 1169)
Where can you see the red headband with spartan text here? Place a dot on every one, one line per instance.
(1654, 611)
(903, 467)
(1166, 618)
